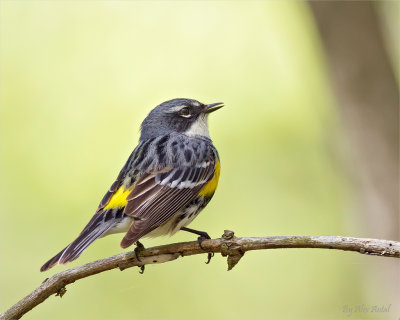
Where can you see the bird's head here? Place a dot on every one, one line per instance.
(185, 116)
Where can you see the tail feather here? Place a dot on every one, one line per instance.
(73, 250)
(53, 261)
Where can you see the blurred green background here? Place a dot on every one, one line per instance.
(77, 79)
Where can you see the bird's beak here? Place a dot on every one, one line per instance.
(213, 107)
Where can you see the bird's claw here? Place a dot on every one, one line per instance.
(141, 269)
(203, 236)
(200, 239)
(139, 247)
(209, 256)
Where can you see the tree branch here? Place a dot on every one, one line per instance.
(230, 246)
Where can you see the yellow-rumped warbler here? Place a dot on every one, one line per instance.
(168, 179)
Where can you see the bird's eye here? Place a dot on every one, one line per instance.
(185, 112)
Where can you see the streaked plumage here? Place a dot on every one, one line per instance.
(168, 179)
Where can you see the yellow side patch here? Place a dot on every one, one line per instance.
(118, 200)
(211, 185)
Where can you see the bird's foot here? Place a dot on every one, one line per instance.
(202, 236)
(142, 269)
(200, 240)
(138, 249)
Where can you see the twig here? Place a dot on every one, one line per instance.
(230, 246)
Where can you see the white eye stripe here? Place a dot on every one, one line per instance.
(176, 109)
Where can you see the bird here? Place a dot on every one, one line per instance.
(170, 177)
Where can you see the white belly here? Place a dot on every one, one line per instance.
(121, 227)
(170, 227)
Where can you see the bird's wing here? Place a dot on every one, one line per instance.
(157, 196)
(100, 223)
(115, 187)
(115, 197)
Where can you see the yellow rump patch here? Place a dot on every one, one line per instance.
(118, 200)
(211, 185)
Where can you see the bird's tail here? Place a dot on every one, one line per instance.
(96, 228)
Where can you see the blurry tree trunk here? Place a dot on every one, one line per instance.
(368, 100)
